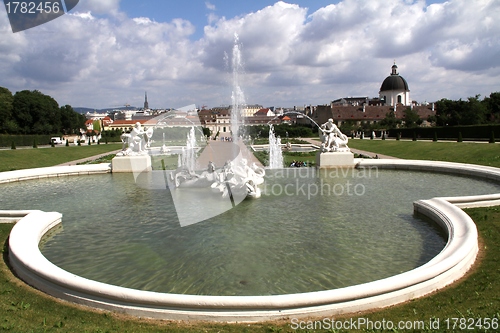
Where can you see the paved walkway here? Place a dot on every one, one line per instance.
(356, 151)
(220, 152)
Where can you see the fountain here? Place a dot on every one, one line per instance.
(275, 152)
(250, 260)
(237, 96)
(187, 158)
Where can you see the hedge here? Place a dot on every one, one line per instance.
(23, 140)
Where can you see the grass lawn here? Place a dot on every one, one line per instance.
(23, 309)
(463, 152)
(28, 158)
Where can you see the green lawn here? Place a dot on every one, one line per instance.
(23, 309)
(15, 159)
(463, 152)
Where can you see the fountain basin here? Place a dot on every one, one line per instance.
(448, 266)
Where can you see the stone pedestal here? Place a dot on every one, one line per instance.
(136, 164)
(335, 160)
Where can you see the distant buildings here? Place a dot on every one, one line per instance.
(394, 96)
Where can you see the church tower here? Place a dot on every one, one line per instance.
(146, 104)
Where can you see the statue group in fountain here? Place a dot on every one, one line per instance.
(136, 142)
(231, 178)
(332, 139)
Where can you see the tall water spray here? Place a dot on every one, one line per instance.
(275, 153)
(237, 96)
(187, 158)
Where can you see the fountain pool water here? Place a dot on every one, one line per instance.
(290, 241)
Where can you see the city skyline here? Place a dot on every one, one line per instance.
(107, 53)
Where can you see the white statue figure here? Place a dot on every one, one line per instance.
(184, 177)
(136, 142)
(333, 140)
(240, 178)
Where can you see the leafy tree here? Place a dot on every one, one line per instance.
(473, 112)
(390, 121)
(71, 121)
(206, 132)
(6, 121)
(492, 105)
(411, 118)
(36, 113)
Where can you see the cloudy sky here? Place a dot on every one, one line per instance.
(106, 53)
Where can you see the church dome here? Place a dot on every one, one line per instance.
(394, 81)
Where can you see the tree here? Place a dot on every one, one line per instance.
(492, 105)
(411, 118)
(71, 121)
(473, 112)
(206, 132)
(6, 122)
(36, 113)
(390, 121)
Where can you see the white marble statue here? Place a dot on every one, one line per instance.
(136, 142)
(332, 139)
(235, 177)
(240, 177)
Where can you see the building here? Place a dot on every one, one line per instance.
(394, 96)
(394, 90)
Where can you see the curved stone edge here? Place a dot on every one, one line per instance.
(57, 171)
(448, 266)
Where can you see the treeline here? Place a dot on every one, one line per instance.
(472, 111)
(31, 112)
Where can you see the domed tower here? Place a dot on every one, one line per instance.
(394, 90)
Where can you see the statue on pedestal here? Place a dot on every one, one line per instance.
(136, 142)
(333, 140)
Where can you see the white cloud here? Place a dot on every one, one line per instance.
(209, 5)
(99, 6)
(291, 57)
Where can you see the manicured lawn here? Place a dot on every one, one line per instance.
(43, 157)
(23, 309)
(463, 152)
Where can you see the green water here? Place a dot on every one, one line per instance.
(307, 232)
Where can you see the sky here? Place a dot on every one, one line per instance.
(108, 53)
